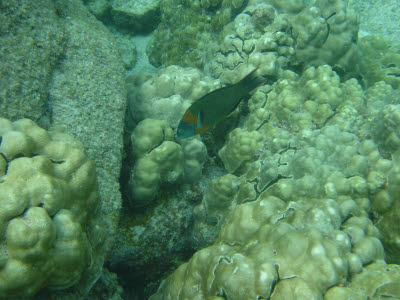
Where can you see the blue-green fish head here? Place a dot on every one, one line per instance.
(185, 130)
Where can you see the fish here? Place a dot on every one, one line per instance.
(207, 111)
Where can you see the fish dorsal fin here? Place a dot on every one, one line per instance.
(200, 123)
(251, 80)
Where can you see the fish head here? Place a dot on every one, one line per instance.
(185, 130)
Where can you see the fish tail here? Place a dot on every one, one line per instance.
(251, 81)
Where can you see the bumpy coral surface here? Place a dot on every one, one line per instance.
(187, 30)
(326, 33)
(304, 102)
(156, 105)
(311, 199)
(48, 195)
(379, 61)
(376, 281)
(276, 37)
(242, 146)
(259, 40)
(167, 94)
(158, 159)
(276, 250)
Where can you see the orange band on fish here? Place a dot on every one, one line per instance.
(200, 130)
(189, 117)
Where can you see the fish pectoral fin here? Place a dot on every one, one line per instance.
(200, 130)
(234, 111)
(200, 123)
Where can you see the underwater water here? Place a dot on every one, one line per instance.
(200, 149)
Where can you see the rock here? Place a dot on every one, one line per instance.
(139, 15)
(87, 99)
(32, 40)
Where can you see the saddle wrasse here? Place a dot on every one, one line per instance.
(216, 105)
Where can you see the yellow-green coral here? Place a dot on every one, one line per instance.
(187, 30)
(379, 61)
(269, 249)
(48, 195)
(388, 205)
(158, 160)
(326, 38)
(242, 147)
(376, 281)
(304, 102)
(148, 134)
(167, 94)
(247, 42)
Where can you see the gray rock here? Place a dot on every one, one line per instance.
(87, 98)
(379, 17)
(139, 15)
(127, 48)
(31, 43)
(100, 8)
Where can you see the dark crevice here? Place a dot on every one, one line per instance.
(19, 155)
(267, 51)
(327, 120)
(25, 211)
(266, 94)
(296, 67)
(345, 220)
(287, 149)
(281, 164)
(274, 283)
(225, 259)
(328, 27)
(222, 294)
(4, 156)
(7, 162)
(239, 52)
(393, 74)
(263, 123)
(340, 71)
(235, 65)
(225, 53)
(283, 217)
(160, 143)
(259, 192)
(57, 162)
(234, 244)
(250, 51)
(279, 177)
